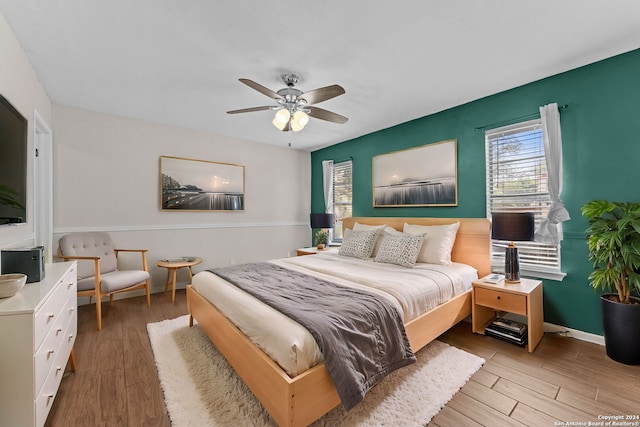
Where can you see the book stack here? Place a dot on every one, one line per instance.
(508, 330)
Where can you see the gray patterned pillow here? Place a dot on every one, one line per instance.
(401, 249)
(358, 244)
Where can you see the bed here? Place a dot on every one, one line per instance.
(300, 399)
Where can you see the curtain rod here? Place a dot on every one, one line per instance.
(515, 119)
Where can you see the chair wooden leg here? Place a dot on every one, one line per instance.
(146, 286)
(72, 360)
(99, 311)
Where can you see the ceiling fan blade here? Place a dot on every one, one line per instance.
(263, 90)
(318, 95)
(323, 114)
(250, 110)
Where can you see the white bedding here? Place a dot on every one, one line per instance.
(413, 291)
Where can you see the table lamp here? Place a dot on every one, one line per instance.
(322, 221)
(511, 226)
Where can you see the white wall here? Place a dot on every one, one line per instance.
(20, 85)
(107, 178)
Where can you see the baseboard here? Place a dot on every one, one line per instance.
(574, 333)
(132, 294)
(552, 328)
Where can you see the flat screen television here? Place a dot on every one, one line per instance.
(13, 165)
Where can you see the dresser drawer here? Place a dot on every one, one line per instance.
(44, 400)
(49, 349)
(56, 343)
(55, 364)
(45, 317)
(500, 300)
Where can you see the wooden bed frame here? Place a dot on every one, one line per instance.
(301, 400)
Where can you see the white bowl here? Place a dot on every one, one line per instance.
(10, 284)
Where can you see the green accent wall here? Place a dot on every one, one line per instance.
(601, 150)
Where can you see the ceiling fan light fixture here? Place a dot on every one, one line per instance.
(299, 120)
(282, 118)
(301, 117)
(294, 107)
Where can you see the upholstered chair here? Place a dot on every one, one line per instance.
(98, 273)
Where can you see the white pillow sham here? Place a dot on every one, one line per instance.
(399, 248)
(438, 241)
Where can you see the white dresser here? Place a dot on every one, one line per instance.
(37, 331)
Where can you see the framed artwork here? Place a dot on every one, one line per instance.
(420, 176)
(200, 185)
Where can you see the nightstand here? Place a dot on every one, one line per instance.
(313, 250)
(524, 298)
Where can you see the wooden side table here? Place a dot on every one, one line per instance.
(524, 298)
(172, 265)
(314, 250)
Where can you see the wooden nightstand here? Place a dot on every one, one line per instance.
(524, 298)
(313, 250)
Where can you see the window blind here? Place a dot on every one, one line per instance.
(342, 195)
(517, 182)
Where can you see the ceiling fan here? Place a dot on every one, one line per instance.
(294, 107)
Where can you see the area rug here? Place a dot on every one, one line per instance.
(201, 389)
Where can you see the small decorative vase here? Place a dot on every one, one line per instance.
(320, 246)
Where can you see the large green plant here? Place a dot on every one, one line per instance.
(614, 246)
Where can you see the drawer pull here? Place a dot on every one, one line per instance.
(51, 316)
(49, 398)
(70, 285)
(58, 369)
(58, 331)
(70, 337)
(49, 353)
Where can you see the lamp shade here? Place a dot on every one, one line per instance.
(321, 220)
(512, 226)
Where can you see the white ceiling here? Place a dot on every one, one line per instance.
(178, 61)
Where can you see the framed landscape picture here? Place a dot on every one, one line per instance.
(420, 176)
(200, 185)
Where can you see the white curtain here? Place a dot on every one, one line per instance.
(327, 183)
(549, 230)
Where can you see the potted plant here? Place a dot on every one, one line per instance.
(8, 197)
(613, 238)
(321, 238)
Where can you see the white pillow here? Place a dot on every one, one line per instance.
(360, 227)
(358, 244)
(399, 248)
(438, 241)
(379, 228)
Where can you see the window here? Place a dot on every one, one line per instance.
(342, 196)
(517, 182)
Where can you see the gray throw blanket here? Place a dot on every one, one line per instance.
(360, 334)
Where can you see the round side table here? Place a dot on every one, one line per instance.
(172, 265)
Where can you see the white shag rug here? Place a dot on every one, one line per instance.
(201, 389)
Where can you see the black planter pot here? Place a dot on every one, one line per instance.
(621, 326)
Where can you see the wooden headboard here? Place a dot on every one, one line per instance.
(473, 241)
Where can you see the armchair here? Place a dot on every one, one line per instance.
(98, 273)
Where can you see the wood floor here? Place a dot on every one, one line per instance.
(564, 380)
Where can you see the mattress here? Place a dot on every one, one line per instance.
(413, 291)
